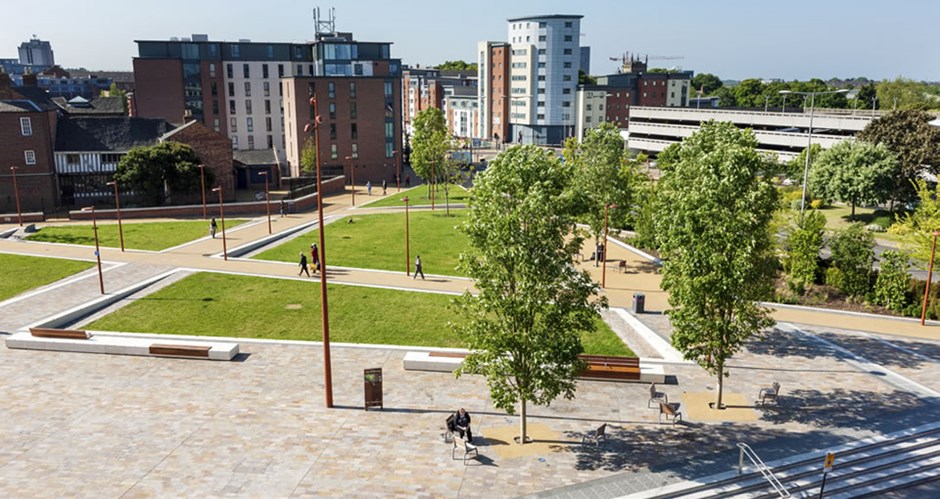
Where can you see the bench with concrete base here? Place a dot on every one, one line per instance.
(63, 340)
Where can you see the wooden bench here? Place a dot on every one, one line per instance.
(769, 393)
(46, 332)
(466, 447)
(669, 410)
(180, 350)
(595, 436)
(602, 367)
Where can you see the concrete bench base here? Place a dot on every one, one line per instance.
(425, 361)
(124, 345)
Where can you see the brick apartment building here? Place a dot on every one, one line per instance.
(27, 136)
(358, 91)
(493, 90)
(441, 89)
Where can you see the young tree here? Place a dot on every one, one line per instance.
(854, 172)
(523, 327)
(429, 144)
(601, 176)
(706, 82)
(308, 156)
(893, 280)
(913, 140)
(853, 252)
(158, 170)
(802, 250)
(902, 93)
(916, 228)
(714, 213)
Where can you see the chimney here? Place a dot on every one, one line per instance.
(188, 116)
(29, 80)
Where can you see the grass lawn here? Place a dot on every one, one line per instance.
(21, 273)
(153, 236)
(256, 307)
(378, 242)
(418, 196)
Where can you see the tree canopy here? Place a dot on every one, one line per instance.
(854, 172)
(430, 142)
(458, 65)
(706, 83)
(902, 93)
(916, 228)
(523, 326)
(714, 213)
(156, 171)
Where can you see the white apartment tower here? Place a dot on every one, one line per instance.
(544, 63)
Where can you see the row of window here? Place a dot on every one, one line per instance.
(231, 107)
(246, 70)
(250, 124)
(542, 24)
(542, 38)
(251, 142)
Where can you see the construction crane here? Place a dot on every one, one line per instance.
(626, 57)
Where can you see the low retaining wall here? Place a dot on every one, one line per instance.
(31, 217)
(302, 204)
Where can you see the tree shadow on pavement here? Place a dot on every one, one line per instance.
(879, 353)
(786, 344)
(842, 408)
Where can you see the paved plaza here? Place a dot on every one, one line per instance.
(114, 426)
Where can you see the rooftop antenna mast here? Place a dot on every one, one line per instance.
(324, 26)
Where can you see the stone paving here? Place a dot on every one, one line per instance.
(106, 426)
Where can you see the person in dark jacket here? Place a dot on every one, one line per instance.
(462, 424)
(303, 264)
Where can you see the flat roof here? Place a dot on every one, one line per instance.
(549, 16)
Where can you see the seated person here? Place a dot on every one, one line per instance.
(462, 423)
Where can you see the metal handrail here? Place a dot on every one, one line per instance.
(764, 470)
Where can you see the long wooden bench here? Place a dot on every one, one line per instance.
(602, 367)
(180, 350)
(46, 332)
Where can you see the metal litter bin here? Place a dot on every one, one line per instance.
(639, 303)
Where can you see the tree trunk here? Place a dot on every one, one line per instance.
(522, 424)
(852, 216)
(721, 385)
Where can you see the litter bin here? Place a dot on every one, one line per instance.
(639, 303)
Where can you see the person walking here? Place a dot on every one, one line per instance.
(384, 187)
(303, 264)
(418, 269)
(315, 256)
(283, 208)
(407, 180)
(212, 227)
(369, 187)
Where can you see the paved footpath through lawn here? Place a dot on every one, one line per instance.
(108, 426)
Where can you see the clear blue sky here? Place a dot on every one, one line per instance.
(734, 39)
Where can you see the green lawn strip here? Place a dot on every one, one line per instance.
(256, 307)
(418, 196)
(21, 273)
(378, 242)
(152, 236)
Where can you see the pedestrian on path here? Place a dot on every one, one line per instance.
(315, 256)
(303, 264)
(283, 208)
(384, 187)
(407, 180)
(212, 227)
(369, 187)
(418, 269)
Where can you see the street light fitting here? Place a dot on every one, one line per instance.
(88, 208)
(113, 182)
(263, 173)
(405, 199)
(217, 189)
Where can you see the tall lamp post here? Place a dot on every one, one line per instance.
(222, 216)
(809, 143)
(117, 204)
(352, 172)
(327, 367)
(267, 199)
(407, 240)
(94, 226)
(604, 271)
(202, 176)
(16, 194)
(933, 250)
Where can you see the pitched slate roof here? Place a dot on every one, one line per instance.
(98, 105)
(18, 106)
(255, 157)
(118, 134)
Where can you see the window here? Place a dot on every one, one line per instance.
(310, 69)
(389, 130)
(280, 70)
(270, 56)
(300, 70)
(270, 142)
(567, 38)
(587, 119)
(541, 103)
(215, 106)
(215, 124)
(332, 131)
(567, 65)
(231, 107)
(251, 142)
(355, 151)
(566, 104)
(233, 125)
(250, 122)
(264, 70)
(235, 50)
(212, 70)
(388, 89)
(231, 89)
(541, 65)
(235, 142)
(543, 24)
(352, 110)
(566, 90)
(352, 90)
(587, 107)
(332, 111)
(567, 51)
(268, 126)
(541, 38)
(229, 71)
(26, 126)
(354, 131)
(247, 89)
(541, 77)
(267, 88)
(672, 95)
(246, 71)
(214, 88)
(332, 89)
(566, 78)
(333, 154)
(540, 116)
(247, 106)
(267, 107)
(568, 24)
(29, 156)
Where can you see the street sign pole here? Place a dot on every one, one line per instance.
(830, 459)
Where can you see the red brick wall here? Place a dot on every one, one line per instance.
(219, 98)
(617, 110)
(28, 218)
(652, 91)
(36, 183)
(214, 150)
(159, 89)
(499, 91)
